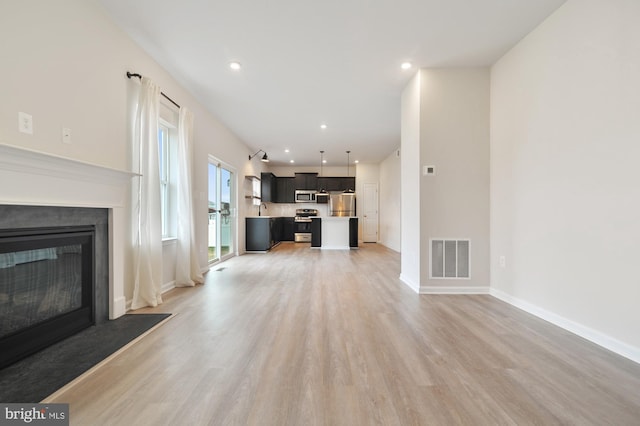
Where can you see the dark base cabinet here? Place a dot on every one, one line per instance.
(288, 228)
(258, 234)
(262, 233)
(316, 232)
(353, 232)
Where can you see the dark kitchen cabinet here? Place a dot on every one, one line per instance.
(325, 183)
(316, 232)
(288, 229)
(268, 187)
(262, 233)
(306, 180)
(275, 225)
(285, 190)
(353, 232)
(336, 183)
(348, 183)
(258, 234)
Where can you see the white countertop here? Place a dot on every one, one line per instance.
(334, 217)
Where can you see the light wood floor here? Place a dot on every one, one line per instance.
(308, 337)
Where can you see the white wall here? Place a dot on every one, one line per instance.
(410, 184)
(66, 66)
(454, 137)
(565, 144)
(389, 195)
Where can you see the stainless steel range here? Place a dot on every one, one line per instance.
(302, 222)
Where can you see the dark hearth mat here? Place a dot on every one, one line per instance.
(38, 376)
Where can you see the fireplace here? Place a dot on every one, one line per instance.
(46, 287)
(45, 190)
(54, 275)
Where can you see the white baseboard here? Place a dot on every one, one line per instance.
(413, 286)
(165, 288)
(120, 307)
(453, 290)
(601, 339)
(168, 286)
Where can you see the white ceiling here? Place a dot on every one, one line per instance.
(307, 62)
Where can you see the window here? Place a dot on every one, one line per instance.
(167, 156)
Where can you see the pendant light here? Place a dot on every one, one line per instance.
(348, 190)
(322, 190)
(348, 152)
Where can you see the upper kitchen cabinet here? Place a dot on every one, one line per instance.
(268, 187)
(306, 180)
(285, 190)
(348, 183)
(336, 183)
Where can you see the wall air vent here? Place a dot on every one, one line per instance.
(450, 258)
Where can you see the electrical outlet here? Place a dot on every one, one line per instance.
(25, 123)
(503, 261)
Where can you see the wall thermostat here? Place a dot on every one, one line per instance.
(428, 170)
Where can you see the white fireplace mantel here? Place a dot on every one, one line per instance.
(29, 177)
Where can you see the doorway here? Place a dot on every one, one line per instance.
(222, 208)
(370, 213)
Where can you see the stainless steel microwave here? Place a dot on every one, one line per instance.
(305, 196)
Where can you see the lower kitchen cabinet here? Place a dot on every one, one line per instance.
(262, 233)
(316, 232)
(288, 229)
(353, 232)
(259, 233)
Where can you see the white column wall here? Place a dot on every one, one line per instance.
(410, 266)
(454, 202)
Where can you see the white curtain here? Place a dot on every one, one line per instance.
(187, 267)
(147, 222)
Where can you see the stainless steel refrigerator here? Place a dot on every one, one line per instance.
(342, 204)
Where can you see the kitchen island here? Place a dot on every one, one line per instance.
(334, 232)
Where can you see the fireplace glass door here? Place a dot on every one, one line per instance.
(46, 287)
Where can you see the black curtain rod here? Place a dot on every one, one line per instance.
(131, 74)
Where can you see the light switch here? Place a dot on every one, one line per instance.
(25, 123)
(66, 135)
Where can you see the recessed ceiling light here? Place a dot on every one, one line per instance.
(291, 161)
(286, 150)
(357, 161)
(324, 161)
(235, 65)
(323, 126)
(405, 65)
